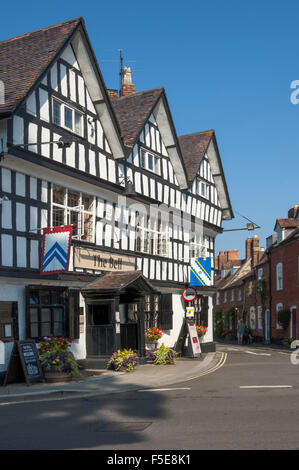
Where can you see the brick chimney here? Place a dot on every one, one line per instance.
(127, 87)
(232, 255)
(255, 250)
(248, 247)
(112, 94)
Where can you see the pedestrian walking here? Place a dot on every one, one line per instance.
(240, 331)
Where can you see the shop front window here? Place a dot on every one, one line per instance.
(49, 312)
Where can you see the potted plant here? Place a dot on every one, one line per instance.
(201, 331)
(57, 362)
(161, 355)
(151, 337)
(125, 360)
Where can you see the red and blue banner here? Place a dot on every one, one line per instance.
(56, 247)
(201, 272)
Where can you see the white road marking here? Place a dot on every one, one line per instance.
(162, 389)
(266, 386)
(257, 354)
(233, 349)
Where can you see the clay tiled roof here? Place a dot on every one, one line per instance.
(194, 147)
(116, 281)
(24, 58)
(288, 223)
(133, 110)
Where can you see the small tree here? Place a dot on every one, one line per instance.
(218, 324)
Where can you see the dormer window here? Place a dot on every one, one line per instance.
(150, 162)
(67, 117)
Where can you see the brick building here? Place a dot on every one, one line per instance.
(284, 255)
(265, 283)
(237, 293)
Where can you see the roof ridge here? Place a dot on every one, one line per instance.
(199, 132)
(131, 95)
(79, 18)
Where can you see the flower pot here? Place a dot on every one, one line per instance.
(150, 346)
(55, 376)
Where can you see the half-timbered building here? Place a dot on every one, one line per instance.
(142, 201)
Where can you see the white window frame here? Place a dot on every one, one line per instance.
(260, 317)
(62, 117)
(252, 318)
(225, 296)
(240, 294)
(217, 298)
(260, 273)
(79, 231)
(232, 295)
(156, 162)
(153, 240)
(279, 276)
(279, 307)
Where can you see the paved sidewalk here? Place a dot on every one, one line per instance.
(107, 382)
(279, 347)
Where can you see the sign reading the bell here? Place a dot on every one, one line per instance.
(86, 258)
(56, 249)
(201, 272)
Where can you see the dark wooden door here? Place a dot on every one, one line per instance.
(100, 330)
(128, 336)
(294, 323)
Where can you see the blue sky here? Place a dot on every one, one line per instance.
(226, 66)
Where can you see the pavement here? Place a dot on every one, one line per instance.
(103, 382)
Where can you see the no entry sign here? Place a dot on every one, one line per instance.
(189, 294)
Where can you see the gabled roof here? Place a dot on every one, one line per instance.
(194, 147)
(24, 58)
(236, 279)
(133, 111)
(119, 281)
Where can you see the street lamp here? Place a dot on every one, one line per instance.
(63, 142)
(249, 226)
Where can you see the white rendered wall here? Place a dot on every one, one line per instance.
(170, 337)
(13, 293)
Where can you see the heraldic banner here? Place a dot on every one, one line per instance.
(56, 248)
(201, 272)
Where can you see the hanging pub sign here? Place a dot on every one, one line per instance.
(56, 248)
(201, 272)
(189, 294)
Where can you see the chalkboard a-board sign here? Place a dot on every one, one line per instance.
(24, 364)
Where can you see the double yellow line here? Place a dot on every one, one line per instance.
(219, 364)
